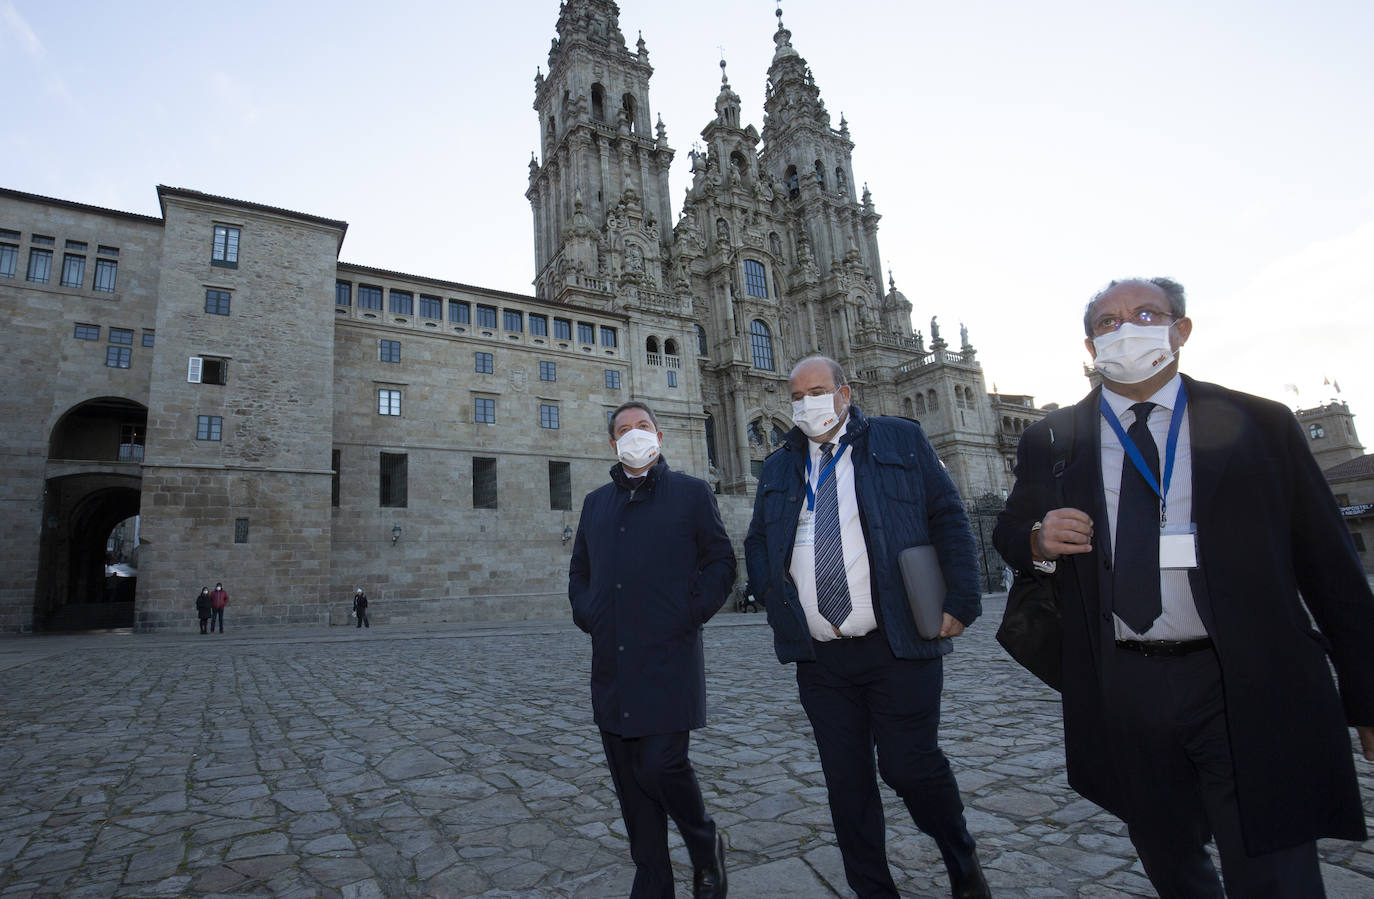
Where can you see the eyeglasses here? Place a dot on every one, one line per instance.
(1142, 316)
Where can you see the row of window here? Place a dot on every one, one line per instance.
(43, 247)
(118, 354)
(461, 312)
(483, 409)
(393, 487)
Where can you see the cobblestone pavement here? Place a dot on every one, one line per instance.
(461, 760)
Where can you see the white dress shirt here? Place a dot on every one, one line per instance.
(1179, 619)
(861, 619)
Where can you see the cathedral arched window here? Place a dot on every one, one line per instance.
(598, 103)
(793, 184)
(651, 351)
(670, 347)
(920, 404)
(932, 400)
(701, 341)
(756, 432)
(761, 345)
(778, 434)
(755, 279)
(628, 104)
(908, 408)
(820, 174)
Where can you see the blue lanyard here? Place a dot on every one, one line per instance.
(828, 470)
(1171, 447)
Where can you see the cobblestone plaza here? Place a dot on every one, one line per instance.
(461, 760)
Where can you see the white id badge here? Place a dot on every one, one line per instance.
(1178, 546)
(806, 528)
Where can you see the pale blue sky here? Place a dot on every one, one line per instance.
(1021, 154)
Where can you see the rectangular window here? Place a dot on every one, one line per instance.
(388, 402)
(431, 307)
(484, 411)
(539, 325)
(483, 483)
(209, 427)
(548, 416)
(560, 486)
(105, 273)
(755, 281)
(122, 336)
(612, 379)
(672, 378)
(130, 444)
(343, 293)
(87, 332)
(117, 356)
(562, 329)
(548, 371)
(459, 313)
(148, 337)
(369, 297)
(225, 251)
(486, 316)
(73, 270)
(42, 240)
(105, 251)
(76, 246)
(393, 480)
(511, 320)
(207, 370)
(585, 333)
(216, 301)
(389, 350)
(483, 363)
(240, 530)
(9, 260)
(40, 265)
(402, 302)
(608, 337)
(334, 456)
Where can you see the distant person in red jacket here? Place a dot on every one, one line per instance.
(218, 600)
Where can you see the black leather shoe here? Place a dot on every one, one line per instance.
(709, 882)
(972, 885)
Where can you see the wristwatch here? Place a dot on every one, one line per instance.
(1045, 567)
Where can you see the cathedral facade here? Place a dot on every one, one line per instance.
(262, 414)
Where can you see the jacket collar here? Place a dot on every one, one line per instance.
(651, 477)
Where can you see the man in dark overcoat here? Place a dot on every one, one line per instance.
(651, 564)
(1198, 702)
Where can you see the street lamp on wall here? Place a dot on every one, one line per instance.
(567, 534)
(395, 533)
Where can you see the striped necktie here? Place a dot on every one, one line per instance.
(832, 582)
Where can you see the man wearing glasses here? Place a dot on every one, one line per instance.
(1198, 702)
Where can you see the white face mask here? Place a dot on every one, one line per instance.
(1133, 353)
(815, 414)
(637, 448)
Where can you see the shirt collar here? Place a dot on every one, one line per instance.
(1165, 397)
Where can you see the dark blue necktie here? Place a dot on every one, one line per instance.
(832, 583)
(1136, 589)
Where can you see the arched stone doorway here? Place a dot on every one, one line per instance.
(92, 487)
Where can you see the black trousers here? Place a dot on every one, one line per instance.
(1168, 727)
(216, 615)
(859, 697)
(654, 781)
(362, 617)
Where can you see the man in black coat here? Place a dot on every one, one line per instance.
(1198, 701)
(651, 564)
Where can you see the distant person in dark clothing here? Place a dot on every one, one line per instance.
(360, 608)
(203, 607)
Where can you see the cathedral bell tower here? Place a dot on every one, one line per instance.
(600, 196)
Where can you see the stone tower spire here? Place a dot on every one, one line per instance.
(600, 194)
